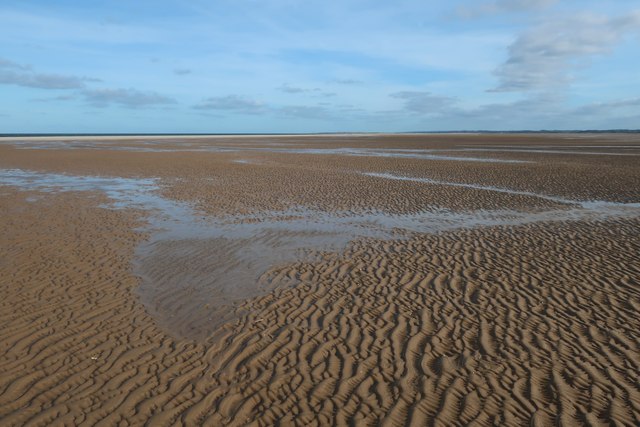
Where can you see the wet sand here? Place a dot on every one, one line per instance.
(320, 280)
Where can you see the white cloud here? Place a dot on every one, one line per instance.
(502, 6)
(356, 56)
(131, 98)
(287, 88)
(424, 102)
(347, 81)
(315, 91)
(5, 63)
(12, 73)
(56, 98)
(233, 103)
(543, 57)
(53, 29)
(236, 104)
(539, 111)
(306, 112)
(617, 107)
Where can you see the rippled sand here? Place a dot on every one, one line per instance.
(349, 280)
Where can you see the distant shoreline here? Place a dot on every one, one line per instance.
(239, 135)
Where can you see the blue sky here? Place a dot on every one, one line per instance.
(318, 66)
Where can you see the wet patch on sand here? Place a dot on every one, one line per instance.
(151, 146)
(557, 150)
(196, 268)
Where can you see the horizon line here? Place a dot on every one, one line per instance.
(58, 134)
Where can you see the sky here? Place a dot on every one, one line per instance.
(287, 66)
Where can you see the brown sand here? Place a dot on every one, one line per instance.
(532, 324)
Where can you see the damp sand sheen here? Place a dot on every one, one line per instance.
(480, 279)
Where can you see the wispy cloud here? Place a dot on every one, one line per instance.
(54, 28)
(307, 112)
(5, 63)
(424, 102)
(130, 98)
(12, 73)
(56, 98)
(333, 62)
(619, 106)
(347, 81)
(542, 57)
(238, 105)
(315, 91)
(537, 111)
(534, 108)
(502, 6)
(233, 103)
(287, 88)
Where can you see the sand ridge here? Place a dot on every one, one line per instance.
(514, 324)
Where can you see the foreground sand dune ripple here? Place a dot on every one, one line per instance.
(525, 323)
(190, 261)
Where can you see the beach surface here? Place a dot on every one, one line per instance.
(445, 279)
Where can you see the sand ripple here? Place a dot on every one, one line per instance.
(511, 322)
(488, 326)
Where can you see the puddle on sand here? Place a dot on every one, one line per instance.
(584, 208)
(125, 192)
(194, 268)
(551, 146)
(470, 186)
(425, 154)
(244, 161)
(282, 148)
(546, 151)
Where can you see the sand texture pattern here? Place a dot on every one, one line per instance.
(529, 320)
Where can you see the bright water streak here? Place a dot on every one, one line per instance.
(191, 257)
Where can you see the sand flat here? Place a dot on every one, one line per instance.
(320, 280)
